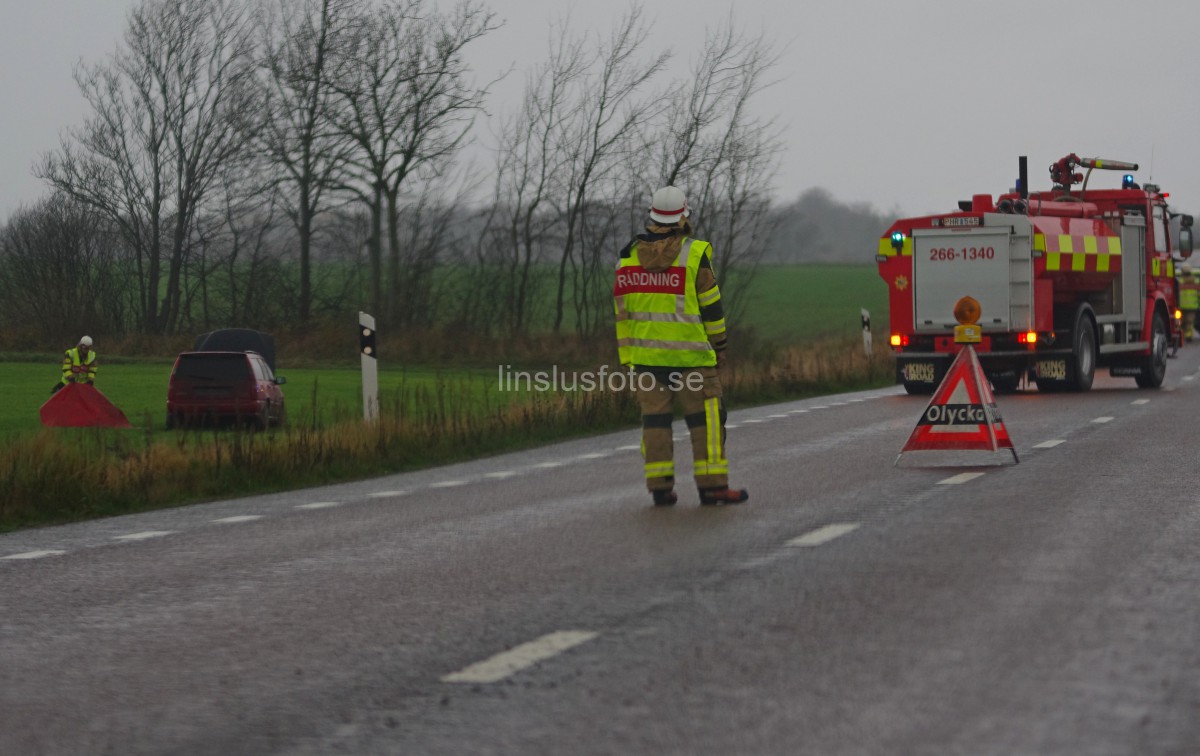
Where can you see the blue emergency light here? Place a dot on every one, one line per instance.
(1127, 181)
(897, 239)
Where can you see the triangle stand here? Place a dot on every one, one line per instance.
(962, 415)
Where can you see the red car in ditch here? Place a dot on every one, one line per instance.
(219, 387)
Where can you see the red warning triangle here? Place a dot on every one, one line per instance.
(962, 413)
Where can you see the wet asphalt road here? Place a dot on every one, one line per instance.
(534, 603)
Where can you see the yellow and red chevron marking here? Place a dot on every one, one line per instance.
(1079, 253)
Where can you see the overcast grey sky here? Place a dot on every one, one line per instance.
(908, 106)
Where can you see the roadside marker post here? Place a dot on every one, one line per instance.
(370, 369)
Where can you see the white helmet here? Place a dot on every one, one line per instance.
(85, 341)
(669, 205)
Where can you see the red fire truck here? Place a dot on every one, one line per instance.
(1069, 280)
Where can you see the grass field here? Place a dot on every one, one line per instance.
(140, 391)
(785, 306)
(796, 304)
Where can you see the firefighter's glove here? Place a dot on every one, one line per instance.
(721, 361)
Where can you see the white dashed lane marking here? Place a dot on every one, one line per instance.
(448, 483)
(143, 535)
(958, 479)
(239, 518)
(1141, 401)
(1049, 444)
(319, 505)
(1102, 420)
(523, 656)
(35, 554)
(824, 535)
(501, 474)
(385, 494)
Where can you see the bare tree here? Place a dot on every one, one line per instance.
(60, 272)
(166, 109)
(530, 158)
(295, 134)
(608, 108)
(406, 103)
(712, 144)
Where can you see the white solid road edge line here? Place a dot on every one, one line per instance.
(824, 535)
(34, 554)
(516, 659)
(959, 479)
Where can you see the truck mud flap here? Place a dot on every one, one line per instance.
(921, 371)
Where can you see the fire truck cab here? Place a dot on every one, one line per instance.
(1068, 281)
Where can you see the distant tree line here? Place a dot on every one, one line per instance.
(815, 227)
(273, 163)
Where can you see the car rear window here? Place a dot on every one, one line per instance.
(213, 367)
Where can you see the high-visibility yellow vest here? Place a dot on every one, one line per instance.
(73, 366)
(1189, 297)
(658, 313)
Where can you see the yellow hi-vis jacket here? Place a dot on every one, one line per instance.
(1189, 294)
(73, 367)
(658, 312)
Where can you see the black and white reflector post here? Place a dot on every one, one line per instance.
(370, 368)
(866, 330)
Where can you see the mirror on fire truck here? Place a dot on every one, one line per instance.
(1181, 230)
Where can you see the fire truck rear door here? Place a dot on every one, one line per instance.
(952, 263)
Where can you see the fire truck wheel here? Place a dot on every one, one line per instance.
(1083, 353)
(1154, 365)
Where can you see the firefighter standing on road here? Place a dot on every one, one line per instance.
(1189, 299)
(79, 364)
(671, 331)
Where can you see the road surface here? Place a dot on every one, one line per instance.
(535, 603)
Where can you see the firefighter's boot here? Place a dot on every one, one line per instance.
(664, 498)
(726, 495)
